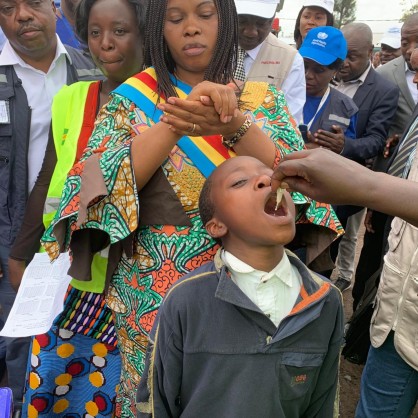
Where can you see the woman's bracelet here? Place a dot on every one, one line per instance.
(231, 142)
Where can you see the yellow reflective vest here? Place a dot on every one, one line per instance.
(67, 121)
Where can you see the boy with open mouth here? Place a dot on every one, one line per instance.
(253, 333)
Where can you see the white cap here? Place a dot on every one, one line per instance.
(328, 5)
(261, 8)
(392, 37)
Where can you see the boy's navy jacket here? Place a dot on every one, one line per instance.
(213, 353)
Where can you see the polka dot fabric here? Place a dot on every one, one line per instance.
(71, 376)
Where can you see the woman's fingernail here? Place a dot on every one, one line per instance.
(171, 100)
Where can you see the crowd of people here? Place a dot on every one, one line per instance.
(207, 179)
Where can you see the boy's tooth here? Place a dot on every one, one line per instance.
(279, 195)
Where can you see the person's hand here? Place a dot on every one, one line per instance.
(196, 118)
(368, 221)
(16, 270)
(323, 176)
(310, 143)
(334, 141)
(391, 142)
(222, 98)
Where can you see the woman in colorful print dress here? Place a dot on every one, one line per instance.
(154, 143)
(74, 368)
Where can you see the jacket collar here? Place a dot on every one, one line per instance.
(314, 288)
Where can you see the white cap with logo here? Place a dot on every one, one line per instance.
(328, 5)
(392, 37)
(261, 8)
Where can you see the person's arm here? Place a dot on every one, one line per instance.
(158, 393)
(373, 139)
(183, 114)
(151, 148)
(27, 242)
(327, 177)
(294, 88)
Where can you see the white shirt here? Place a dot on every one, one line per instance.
(274, 292)
(413, 88)
(40, 89)
(293, 86)
(349, 88)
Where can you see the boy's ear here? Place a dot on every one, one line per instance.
(216, 228)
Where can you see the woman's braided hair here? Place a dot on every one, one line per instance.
(222, 65)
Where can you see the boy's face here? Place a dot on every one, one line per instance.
(245, 206)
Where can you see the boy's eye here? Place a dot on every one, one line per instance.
(239, 183)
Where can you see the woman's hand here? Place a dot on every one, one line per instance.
(223, 98)
(198, 117)
(334, 141)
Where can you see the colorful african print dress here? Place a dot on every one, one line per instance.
(74, 368)
(160, 226)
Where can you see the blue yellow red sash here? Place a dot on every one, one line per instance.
(206, 152)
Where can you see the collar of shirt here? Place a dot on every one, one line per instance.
(9, 56)
(254, 52)
(409, 76)
(283, 271)
(408, 70)
(359, 80)
(250, 57)
(350, 88)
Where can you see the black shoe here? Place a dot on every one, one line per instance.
(342, 284)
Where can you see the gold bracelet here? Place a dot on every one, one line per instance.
(231, 142)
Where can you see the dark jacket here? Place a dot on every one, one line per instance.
(14, 141)
(339, 110)
(215, 354)
(377, 100)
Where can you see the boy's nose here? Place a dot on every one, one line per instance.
(263, 181)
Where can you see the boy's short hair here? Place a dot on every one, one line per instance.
(206, 205)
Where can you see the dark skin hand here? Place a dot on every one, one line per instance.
(310, 144)
(368, 221)
(16, 270)
(334, 141)
(194, 118)
(391, 142)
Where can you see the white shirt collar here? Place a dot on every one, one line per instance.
(9, 56)
(361, 79)
(283, 271)
(254, 52)
(408, 70)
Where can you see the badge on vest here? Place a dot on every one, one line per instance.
(4, 111)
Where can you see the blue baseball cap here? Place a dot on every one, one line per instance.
(324, 45)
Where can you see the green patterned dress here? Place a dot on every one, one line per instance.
(158, 251)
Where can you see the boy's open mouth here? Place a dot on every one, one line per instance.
(270, 206)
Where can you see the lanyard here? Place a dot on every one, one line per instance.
(321, 104)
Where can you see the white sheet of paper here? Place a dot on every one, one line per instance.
(40, 297)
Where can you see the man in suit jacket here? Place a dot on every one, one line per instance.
(401, 72)
(267, 58)
(376, 99)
